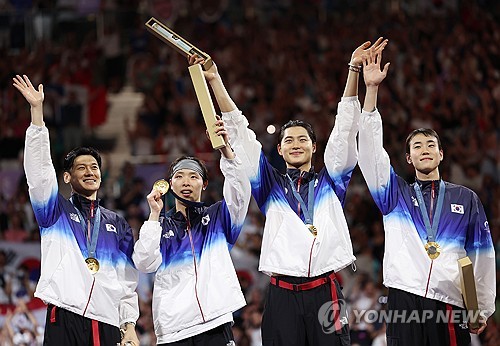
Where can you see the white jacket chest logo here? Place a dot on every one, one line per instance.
(110, 228)
(168, 234)
(74, 217)
(205, 220)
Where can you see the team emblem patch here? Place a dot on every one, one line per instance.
(110, 228)
(205, 220)
(74, 217)
(457, 208)
(168, 234)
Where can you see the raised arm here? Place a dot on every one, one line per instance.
(341, 153)
(147, 256)
(40, 172)
(373, 159)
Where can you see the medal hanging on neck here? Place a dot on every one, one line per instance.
(308, 209)
(91, 237)
(432, 247)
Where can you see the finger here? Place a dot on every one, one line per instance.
(365, 45)
(40, 88)
(381, 46)
(20, 80)
(18, 86)
(377, 43)
(28, 82)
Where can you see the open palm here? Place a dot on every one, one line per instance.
(372, 73)
(34, 97)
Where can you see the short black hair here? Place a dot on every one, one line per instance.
(73, 154)
(426, 133)
(185, 157)
(294, 123)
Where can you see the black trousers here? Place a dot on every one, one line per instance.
(219, 336)
(419, 321)
(302, 318)
(63, 327)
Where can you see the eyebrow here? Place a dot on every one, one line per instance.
(299, 136)
(428, 141)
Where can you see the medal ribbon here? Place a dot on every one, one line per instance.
(431, 229)
(91, 241)
(308, 209)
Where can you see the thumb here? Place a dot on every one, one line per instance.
(386, 68)
(40, 88)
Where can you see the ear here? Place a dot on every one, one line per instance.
(408, 159)
(66, 177)
(314, 147)
(278, 147)
(441, 155)
(205, 184)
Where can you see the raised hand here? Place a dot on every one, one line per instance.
(34, 97)
(212, 72)
(372, 73)
(361, 51)
(220, 130)
(155, 204)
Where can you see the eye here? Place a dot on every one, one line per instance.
(431, 145)
(416, 147)
(302, 140)
(288, 141)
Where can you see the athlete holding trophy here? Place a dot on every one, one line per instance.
(196, 289)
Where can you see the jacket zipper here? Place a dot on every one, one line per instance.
(188, 230)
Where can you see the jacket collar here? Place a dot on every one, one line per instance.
(295, 173)
(83, 204)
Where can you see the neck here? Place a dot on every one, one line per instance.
(306, 167)
(433, 175)
(92, 197)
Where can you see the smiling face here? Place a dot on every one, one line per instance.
(187, 184)
(84, 176)
(425, 155)
(297, 148)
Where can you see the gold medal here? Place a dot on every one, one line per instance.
(312, 229)
(92, 264)
(162, 186)
(433, 249)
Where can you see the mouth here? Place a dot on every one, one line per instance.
(90, 181)
(186, 193)
(426, 159)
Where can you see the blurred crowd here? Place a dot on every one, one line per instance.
(280, 60)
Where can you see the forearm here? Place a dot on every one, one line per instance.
(351, 86)
(37, 115)
(226, 104)
(370, 98)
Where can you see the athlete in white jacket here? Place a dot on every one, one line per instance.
(87, 276)
(429, 225)
(306, 237)
(196, 289)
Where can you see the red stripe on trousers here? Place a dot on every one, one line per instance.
(53, 315)
(95, 333)
(451, 326)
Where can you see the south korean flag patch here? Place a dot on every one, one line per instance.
(457, 208)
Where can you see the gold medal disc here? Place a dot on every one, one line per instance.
(162, 186)
(433, 249)
(92, 264)
(312, 229)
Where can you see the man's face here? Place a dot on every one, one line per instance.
(188, 184)
(297, 148)
(425, 154)
(84, 176)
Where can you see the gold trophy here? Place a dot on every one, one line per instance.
(468, 286)
(168, 36)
